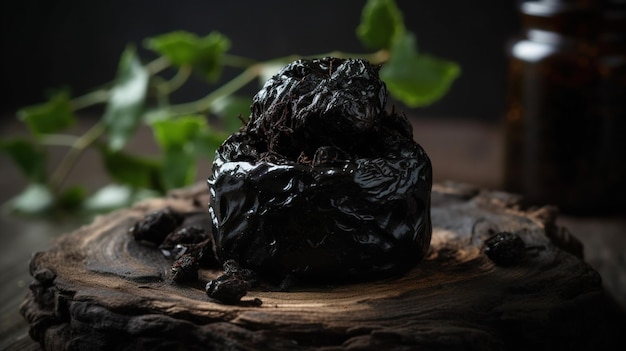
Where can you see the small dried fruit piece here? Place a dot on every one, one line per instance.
(157, 225)
(232, 285)
(505, 248)
(185, 269)
(180, 237)
(184, 236)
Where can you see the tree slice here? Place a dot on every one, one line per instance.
(99, 289)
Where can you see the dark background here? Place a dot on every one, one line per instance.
(76, 43)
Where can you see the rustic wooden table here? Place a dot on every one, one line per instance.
(462, 151)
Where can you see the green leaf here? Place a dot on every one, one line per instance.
(416, 79)
(179, 166)
(126, 101)
(381, 22)
(179, 47)
(35, 199)
(178, 138)
(50, 117)
(72, 198)
(177, 132)
(30, 159)
(229, 109)
(135, 171)
(183, 48)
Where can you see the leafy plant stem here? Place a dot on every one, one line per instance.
(237, 61)
(157, 65)
(90, 99)
(168, 87)
(154, 67)
(141, 92)
(71, 157)
(231, 87)
(59, 140)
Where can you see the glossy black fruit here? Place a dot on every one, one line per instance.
(322, 182)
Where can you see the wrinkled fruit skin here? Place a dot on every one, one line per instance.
(156, 226)
(185, 269)
(505, 248)
(322, 182)
(232, 285)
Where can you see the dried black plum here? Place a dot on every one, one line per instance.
(322, 182)
(156, 226)
(231, 285)
(227, 289)
(185, 269)
(505, 248)
(184, 236)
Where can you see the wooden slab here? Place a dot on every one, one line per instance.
(99, 289)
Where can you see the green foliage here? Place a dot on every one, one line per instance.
(381, 22)
(416, 79)
(126, 100)
(186, 133)
(187, 49)
(179, 132)
(72, 198)
(49, 117)
(138, 172)
(413, 78)
(178, 139)
(30, 160)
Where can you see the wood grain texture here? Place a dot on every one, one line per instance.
(99, 289)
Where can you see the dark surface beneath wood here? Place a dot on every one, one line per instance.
(98, 288)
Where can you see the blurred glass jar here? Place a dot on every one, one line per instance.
(566, 108)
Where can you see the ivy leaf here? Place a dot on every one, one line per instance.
(183, 48)
(177, 138)
(30, 159)
(416, 79)
(179, 166)
(135, 171)
(229, 109)
(50, 117)
(177, 132)
(35, 199)
(381, 22)
(73, 197)
(126, 101)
